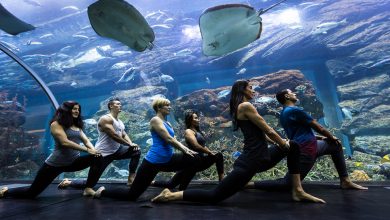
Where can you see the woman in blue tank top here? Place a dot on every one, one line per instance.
(160, 156)
(255, 157)
(66, 128)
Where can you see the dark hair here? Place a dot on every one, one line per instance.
(236, 97)
(111, 102)
(63, 115)
(188, 117)
(281, 96)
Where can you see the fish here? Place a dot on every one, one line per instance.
(11, 24)
(46, 36)
(83, 37)
(358, 164)
(347, 113)
(119, 20)
(168, 20)
(324, 27)
(149, 141)
(166, 78)
(385, 159)
(119, 65)
(223, 93)
(208, 80)
(33, 42)
(125, 76)
(236, 154)
(227, 28)
(70, 7)
(33, 3)
(165, 26)
(184, 52)
(242, 71)
(381, 63)
(265, 99)
(90, 121)
(120, 53)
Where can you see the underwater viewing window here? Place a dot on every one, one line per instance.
(333, 54)
(25, 111)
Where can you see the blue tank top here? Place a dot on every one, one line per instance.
(160, 151)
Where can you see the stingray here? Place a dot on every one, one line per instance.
(226, 28)
(121, 21)
(11, 24)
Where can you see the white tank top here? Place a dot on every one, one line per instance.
(105, 144)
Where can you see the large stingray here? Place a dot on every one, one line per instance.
(120, 21)
(226, 28)
(11, 24)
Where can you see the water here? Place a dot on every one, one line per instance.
(345, 64)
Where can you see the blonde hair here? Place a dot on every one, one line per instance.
(160, 102)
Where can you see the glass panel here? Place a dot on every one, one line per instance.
(333, 54)
(24, 118)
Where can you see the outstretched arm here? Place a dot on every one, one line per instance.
(251, 114)
(323, 131)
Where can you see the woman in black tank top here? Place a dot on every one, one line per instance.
(256, 156)
(196, 141)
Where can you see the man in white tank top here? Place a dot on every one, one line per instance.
(114, 144)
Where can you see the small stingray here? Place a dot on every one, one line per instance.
(11, 24)
(120, 21)
(226, 28)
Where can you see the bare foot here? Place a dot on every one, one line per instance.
(220, 177)
(250, 185)
(300, 196)
(163, 196)
(98, 192)
(89, 192)
(130, 179)
(348, 184)
(2, 191)
(64, 183)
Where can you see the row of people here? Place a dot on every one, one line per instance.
(256, 155)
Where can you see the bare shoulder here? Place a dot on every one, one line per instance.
(105, 119)
(245, 106)
(155, 120)
(189, 132)
(55, 124)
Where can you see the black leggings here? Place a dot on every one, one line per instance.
(306, 163)
(205, 162)
(146, 173)
(101, 163)
(46, 175)
(242, 174)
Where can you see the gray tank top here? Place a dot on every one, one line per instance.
(64, 156)
(105, 144)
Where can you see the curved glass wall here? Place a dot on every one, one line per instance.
(334, 54)
(24, 119)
